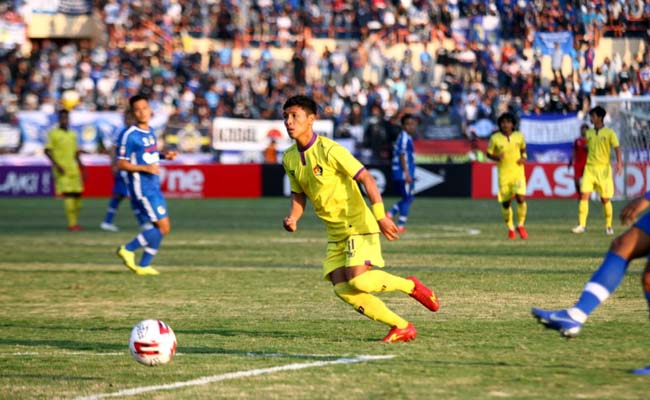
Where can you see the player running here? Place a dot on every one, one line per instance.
(326, 173)
(508, 149)
(138, 156)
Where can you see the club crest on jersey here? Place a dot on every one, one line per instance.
(161, 210)
(318, 170)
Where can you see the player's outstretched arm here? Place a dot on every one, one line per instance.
(298, 201)
(633, 209)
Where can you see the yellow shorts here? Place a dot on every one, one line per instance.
(509, 186)
(70, 182)
(356, 250)
(598, 179)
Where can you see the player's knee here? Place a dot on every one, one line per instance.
(506, 204)
(345, 292)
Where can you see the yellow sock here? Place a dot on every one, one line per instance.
(377, 280)
(507, 217)
(583, 212)
(69, 206)
(369, 305)
(608, 210)
(77, 208)
(522, 210)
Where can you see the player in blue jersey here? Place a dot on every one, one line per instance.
(633, 243)
(404, 171)
(138, 155)
(120, 191)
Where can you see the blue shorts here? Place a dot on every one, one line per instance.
(120, 187)
(149, 208)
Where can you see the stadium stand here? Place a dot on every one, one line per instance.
(457, 63)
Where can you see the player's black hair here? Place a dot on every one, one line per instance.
(408, 116)
(135, 98)
(598, 111)
(64, 111)
(306, 103)
(506, 116)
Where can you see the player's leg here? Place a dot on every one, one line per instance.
(120, 191)
(504, 197)
(522, 211)
(400, 188)
(404, 205)
(588, 181)
(72, 207)
(153, 236)
(111, 210)
(364, 252)
(606, 193)
(633, 243)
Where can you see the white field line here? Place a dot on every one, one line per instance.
(234, 375)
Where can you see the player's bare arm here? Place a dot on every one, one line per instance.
(523, 158)
(619, 161)
(298, 201)
(386, 225)
(125, 165)
(633, 209)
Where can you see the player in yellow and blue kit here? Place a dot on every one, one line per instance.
(508, 149)
(633, 243)
(138, 155)
(327, 174)
(61, 149)
(598, 171)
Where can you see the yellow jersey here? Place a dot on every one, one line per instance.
(599, 146)
(63, 145)
(511, 147)
(324, 171)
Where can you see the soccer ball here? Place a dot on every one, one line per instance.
(152, 342)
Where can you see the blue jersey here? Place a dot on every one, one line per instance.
(403, 145)
(140, 147)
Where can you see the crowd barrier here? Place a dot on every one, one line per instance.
(476, 180)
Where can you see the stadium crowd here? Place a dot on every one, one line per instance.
(443, 74)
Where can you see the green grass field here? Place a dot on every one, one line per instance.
(244, 295)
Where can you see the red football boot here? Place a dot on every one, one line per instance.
(401, 335)
(522, 232)
(424, 295)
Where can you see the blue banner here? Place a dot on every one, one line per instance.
(94, 128)
(545, 42)
(550, 137)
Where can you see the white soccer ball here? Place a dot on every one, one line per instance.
(152, 342)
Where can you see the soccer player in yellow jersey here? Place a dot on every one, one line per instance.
(61, 149)
(508, 149)
(598, 171)
(327, 174)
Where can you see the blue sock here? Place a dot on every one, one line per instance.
(153, 238)
(602, 283)
(112, 209)
(394, 210)
(405, 206)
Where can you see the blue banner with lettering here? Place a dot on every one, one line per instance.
(550, 137)
(545, 42)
